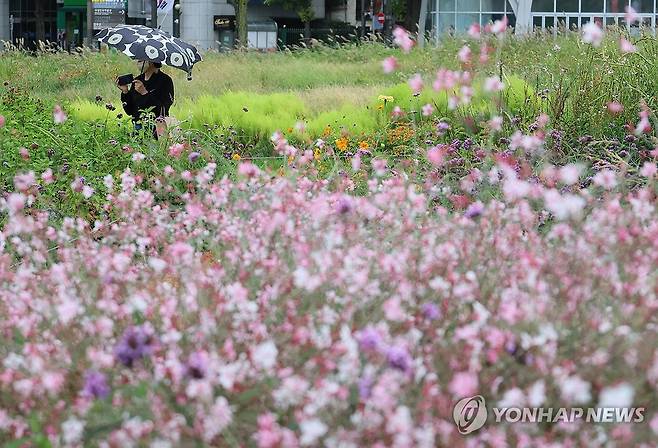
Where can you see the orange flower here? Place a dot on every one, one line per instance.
(341, 143)
(326, 131)
(364, 144)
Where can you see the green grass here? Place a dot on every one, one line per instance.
(236, 101)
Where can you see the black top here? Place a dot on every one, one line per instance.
(158, 100)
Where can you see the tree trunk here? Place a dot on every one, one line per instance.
(523, 12)
(90, 24)
(154, 13)
(421, 23)
(307, 30)
(412, 16)
(240, 7)
(40, 20)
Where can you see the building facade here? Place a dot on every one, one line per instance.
(447, 16)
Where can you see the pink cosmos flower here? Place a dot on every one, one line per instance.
(168, 170)
(615, 108)
(356, 163)
(649, 169)
(23, 182)
(389, 64)
(138, 157)
(176, 149)
(87, 191)
(464, 54)
(436, 155)
(401, 39)
(631, 15)
(463, 384)
(58, 115)
(493, 84)
(427, 110)
(248, 169)
(24, 153)
(626, 46)
(592, 34)
(606, 178)
(2, 121)
(416, 83)
(499, 26)
(475, 31)
(47, 177)
(397, 112)
(496, 123)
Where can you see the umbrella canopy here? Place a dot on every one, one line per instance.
(148, 44)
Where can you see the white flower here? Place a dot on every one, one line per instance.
(312, 430)
(619, 396)
(264, 355)
(592, 34)
(138, 157)
(575, 390)
(537, 394)
(72, 430)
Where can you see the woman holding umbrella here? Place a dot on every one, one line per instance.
(151, 91)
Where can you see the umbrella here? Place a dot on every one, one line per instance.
(148, 44)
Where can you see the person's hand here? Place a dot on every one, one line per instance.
(124, 89)
(139, 87)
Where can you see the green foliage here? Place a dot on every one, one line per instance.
(255, 114)
(353, 119)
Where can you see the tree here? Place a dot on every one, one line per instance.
(240, 7)
(421, 23)
(90, 24)
(523, 12)
(40, 20)
(303, 8)
(412, 14)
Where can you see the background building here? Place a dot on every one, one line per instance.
(457, 15)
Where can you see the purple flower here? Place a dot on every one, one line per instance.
(474, 210)
(95, 385)
(197, 365)
(136, 343)
(398, 358)
(344, 206)
(431, 311)
(365, 387)
(369, 339)
(193, 157)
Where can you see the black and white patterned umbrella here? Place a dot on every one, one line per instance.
(147, 44)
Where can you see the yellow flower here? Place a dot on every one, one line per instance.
(236, 157)
(290, 159)
(326, 131)
(341, 143)
(316, 154)
(380, 107)
(364, 144)
(385, 98)
(289, 130)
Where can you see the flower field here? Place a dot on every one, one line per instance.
(345, 292)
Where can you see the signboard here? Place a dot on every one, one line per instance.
(224, 23)
(108, 13)
(381, 18)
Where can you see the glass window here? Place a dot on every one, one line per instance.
(545, 6)
(592, 5)
(493, 5)
(446, 5)
(567, 6)
(616, 6)
(464, 21)
(469, 5)
(643, 6)
(446, 23)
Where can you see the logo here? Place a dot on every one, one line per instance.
(470, 414)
